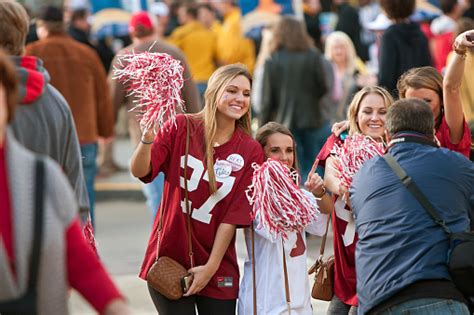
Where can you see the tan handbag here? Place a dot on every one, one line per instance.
(166, 275)
(324, 273)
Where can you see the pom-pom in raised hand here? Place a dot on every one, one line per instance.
(155, 81)
(280, 203)
(350, 156)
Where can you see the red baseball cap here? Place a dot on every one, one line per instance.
(140, 18)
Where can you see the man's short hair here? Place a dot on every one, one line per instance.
(410, 114)
(447, 6)
(398, 9)
(52, 18)
(14, 24)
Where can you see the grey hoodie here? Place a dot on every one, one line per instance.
(43, 123)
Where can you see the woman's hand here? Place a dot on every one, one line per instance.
(201, 277)
(464, 41)
(314, 184)
(147, 135)
(340, 127)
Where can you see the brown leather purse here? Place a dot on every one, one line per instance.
(324, 273)
(166, 274)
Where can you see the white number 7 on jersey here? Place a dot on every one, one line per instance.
(203, 213)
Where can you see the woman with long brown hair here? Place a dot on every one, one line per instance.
(221, 152)
(293, 84)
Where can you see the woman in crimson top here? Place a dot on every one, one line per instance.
(219, 170)
(443, 95)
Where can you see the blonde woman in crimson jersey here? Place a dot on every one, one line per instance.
(278, 143)
(221, 152)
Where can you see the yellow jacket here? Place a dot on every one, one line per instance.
(199, 46)
(232, 46)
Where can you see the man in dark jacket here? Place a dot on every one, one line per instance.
(401, 253)
(403, 45)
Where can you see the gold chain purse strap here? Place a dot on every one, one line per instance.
(188, 215)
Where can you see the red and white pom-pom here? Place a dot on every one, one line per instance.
(350, 156)
(280, 203)
(155, 80)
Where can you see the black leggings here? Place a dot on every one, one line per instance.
(187, 305)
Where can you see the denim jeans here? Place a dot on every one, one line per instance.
(153, 192)
(337, 307)
(308, 144)
(428, 306)
(89, 165)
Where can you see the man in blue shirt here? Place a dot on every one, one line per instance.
(401, 254)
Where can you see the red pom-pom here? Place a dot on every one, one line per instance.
(280, 203)
(351, 154)
(155, 80)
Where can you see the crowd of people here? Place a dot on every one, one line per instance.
(380, 69)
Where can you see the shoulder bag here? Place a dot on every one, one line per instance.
(461, 250)
(324, 272)
(166, 274)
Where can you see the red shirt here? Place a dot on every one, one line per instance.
(6, 233)
(228, 205)
(463, 147)
(345, 240)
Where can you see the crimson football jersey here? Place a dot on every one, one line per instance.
(233, 168)
(345, 239)
(463, 147)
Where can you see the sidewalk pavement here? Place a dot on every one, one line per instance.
(123, 224)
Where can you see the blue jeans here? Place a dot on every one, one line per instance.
(89, 156)
(153, 192)
(308, 144)
(428, 307)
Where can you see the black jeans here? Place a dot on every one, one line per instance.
(187, 305)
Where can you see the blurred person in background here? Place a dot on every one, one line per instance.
(469, 13)
(232, 46)
(293, 84)
(207, 16)
(348, 21)
(77, 72)
(403, 45)
(43, 251)
(42, 112)
(311, 10)
(142, 29)
(161, 12)
(340, 51)
(198, 44)
(443, 28)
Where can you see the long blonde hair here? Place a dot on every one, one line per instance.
(350, 49)
(357, 100)
(217, 83)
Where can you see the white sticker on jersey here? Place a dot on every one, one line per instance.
(236, 161)
(222, 168)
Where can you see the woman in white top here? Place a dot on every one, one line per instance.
(278, 143)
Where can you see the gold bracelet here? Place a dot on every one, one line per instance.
(460, 52)
(321, 195)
